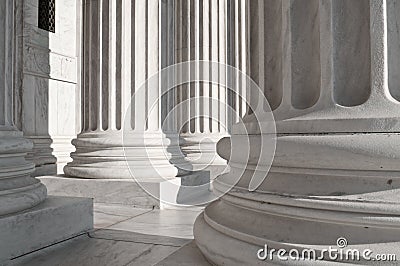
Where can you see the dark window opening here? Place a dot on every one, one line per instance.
(47, 15)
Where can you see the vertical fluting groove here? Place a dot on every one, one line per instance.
(9, 65)
(352, 52)
(112, 49)
(306, 69)
(214, 58)
(247, 52)
(177, 18)
(132, 73)
(86, 66)
(119, 111)
(140, 64)
(256, 44)
(3, 70)
(6, 73)
(379, 51)
(205, 56)
(236, 56)
(393, 41)
(192, 71)
(102, 61)
(6, 69)
(168, 16)
(326, 52)
(184, 43)
(287, 55)
(243, 58)
(90, 41)
(171, 60)
(163, 55)
(273, 53)
(153, 53)
(146, 67)
(186, 87)
(127, 66)
(94, 63)
(99, 68)
(178, 56)
(197, 68)
(222, 125)
(104, 89)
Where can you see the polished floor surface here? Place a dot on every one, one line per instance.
(126, 236)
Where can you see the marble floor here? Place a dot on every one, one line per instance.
(125, 236)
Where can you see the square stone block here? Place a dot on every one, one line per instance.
(54, 220)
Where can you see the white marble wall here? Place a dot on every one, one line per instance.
(48, 95)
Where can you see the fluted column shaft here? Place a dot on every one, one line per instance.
(211, 31)
(18, 190)
(328, 70)
(122, 55)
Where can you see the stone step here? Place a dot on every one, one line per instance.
(54, 220)
(152, 194)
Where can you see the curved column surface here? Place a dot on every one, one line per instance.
(335, 170)
(18, 190)
(122, 49)
(210, 31)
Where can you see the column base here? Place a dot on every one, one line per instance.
(231, 234)
(125, 155)
(54, 220)
(201, 153)
(62, 149)
(320, 188)
(42, 156)
(18, 190)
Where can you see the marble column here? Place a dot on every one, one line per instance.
(18, 190)
(329, 69)
(122, 49)
(211, 31)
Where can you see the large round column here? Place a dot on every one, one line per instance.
(329, 71)
(211, 31)
(121, 51)
(18, 190)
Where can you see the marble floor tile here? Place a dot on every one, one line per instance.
(90, 250)
(123, 236)
(185, 256)
(138, 237)
(171, 223)
(109, 214)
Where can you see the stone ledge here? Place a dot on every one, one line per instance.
(111, 191)
(180, 190)
(54, 220)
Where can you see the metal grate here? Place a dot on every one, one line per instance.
(47, 15)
